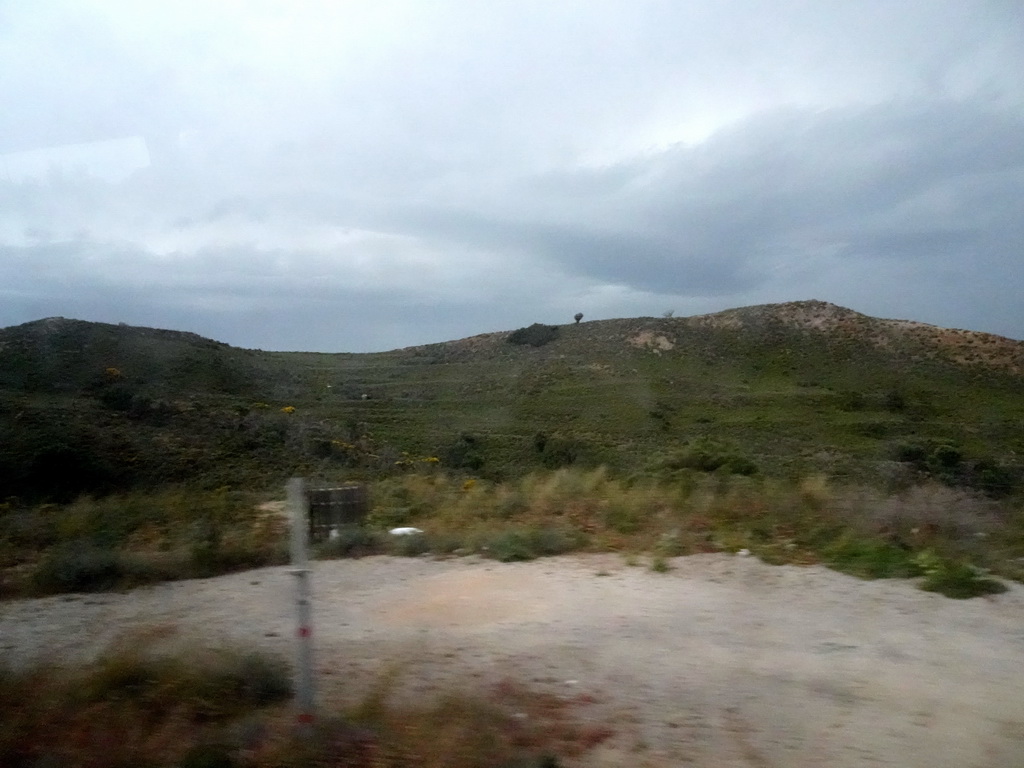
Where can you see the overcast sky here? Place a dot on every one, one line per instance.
(349, 175)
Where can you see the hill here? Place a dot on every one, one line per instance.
(781, 389)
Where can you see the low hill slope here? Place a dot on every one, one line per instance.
(787, 388)
(900, 337)
(57, 355)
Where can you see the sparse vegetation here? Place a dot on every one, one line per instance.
(536, 335)
(146, 701)
(660, 565)
(91, 409)
(124, 541)
(674, 510)
(153, 700)
(955, 578)
(802, 432)
(852, 528)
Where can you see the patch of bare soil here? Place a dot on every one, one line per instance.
(656, 343)
(723, 661)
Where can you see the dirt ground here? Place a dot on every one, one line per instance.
(722, 661)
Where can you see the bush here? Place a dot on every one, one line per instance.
(660, 565)
(528, 544)
(510, 547)
(29, 529)
(994, 479)
(536, 335)
(708, 456)
(559, 450)
(205, 684)
(955, 579)
(911, 453)
(623, 517)
(190, 707)
(870, 559)
(79, 567)
(411, 546)
(946, 457)
(464, 453)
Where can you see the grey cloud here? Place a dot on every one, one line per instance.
(248, 297)
(482, 164)
(914, 181)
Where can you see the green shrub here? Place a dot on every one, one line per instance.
(509, 547)
(961, 582)
(561, 451)
(528, 544)
(623, 517)
(553, 541)
(510, 505)
(660, 565)
(955, 579)
(390, 517)
(204, 684)
(412, 545)
(911, 453)
(994, 479)
(145, 704)
(256, 678)
(946, 457)
(464, 453)
(30, 528)
(536, 335)
(870, 558)
(79, 566)
(708, 456)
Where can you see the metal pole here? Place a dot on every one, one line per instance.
(299, 505)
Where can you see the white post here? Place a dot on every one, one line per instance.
(299, 505)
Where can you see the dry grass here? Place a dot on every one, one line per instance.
(151, 700)
(853, 528)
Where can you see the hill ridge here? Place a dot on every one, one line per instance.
(909, 338)
(793, 387)
(812, 314)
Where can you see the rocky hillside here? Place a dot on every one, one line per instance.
(929, 341)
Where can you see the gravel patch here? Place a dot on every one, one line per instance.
(722, 661)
